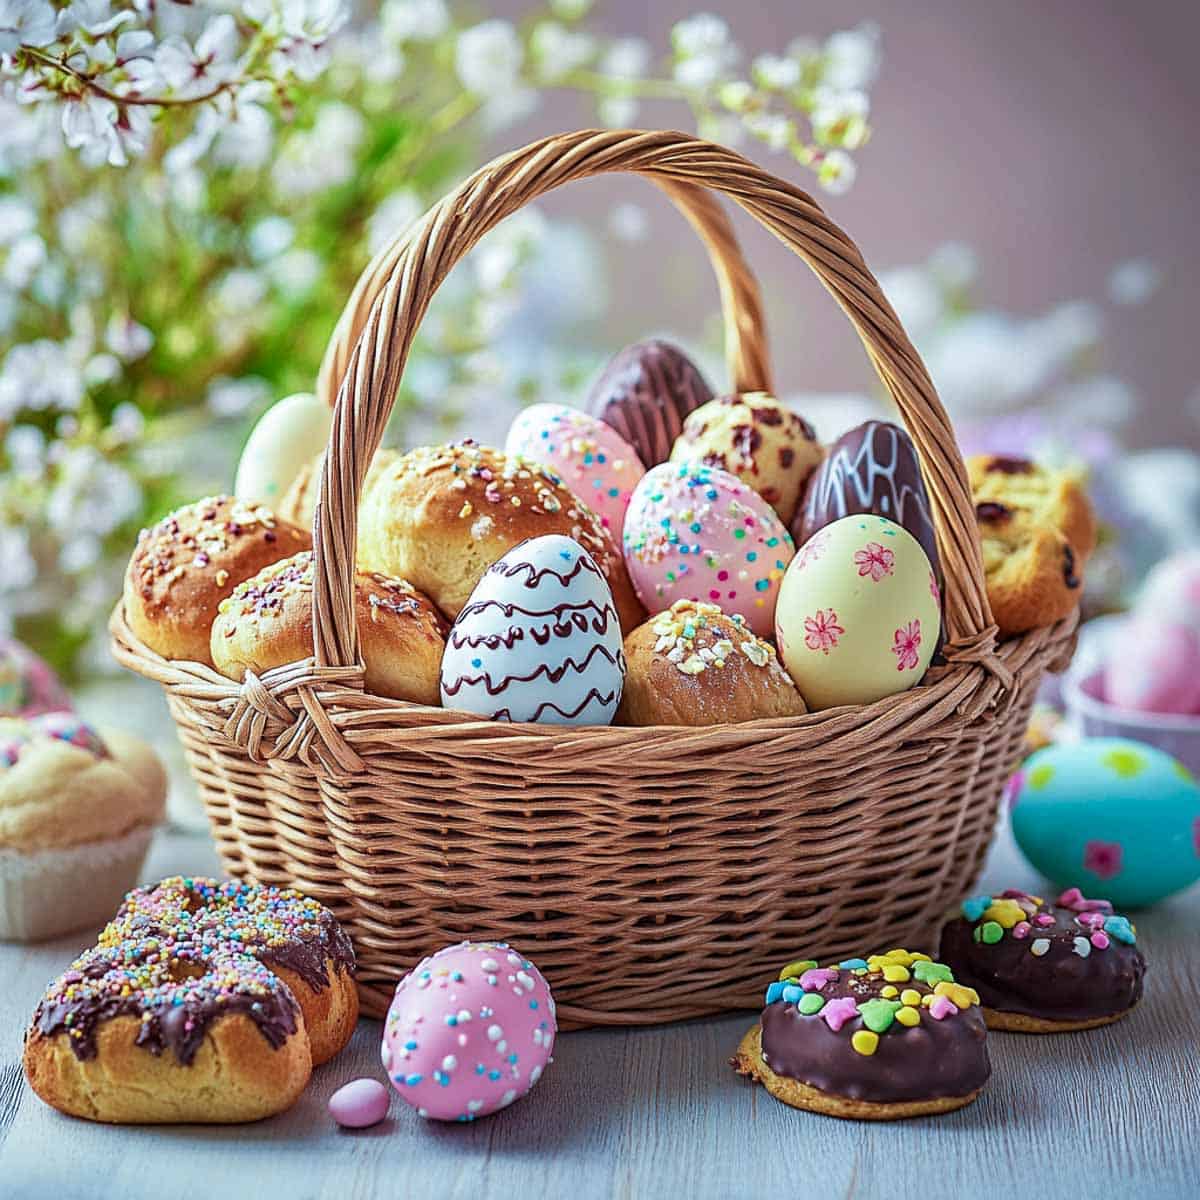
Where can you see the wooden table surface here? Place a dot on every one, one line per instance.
(657, 1112)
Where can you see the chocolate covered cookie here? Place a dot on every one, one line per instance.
(1045, 968)
(645, 393)
(894, 1035)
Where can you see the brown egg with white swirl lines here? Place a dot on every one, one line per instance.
(538, 640)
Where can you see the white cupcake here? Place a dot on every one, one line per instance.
(77, 812)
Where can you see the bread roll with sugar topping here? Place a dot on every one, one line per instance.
(696, 665)
(190, 561)
(441, 515)
(267, 622)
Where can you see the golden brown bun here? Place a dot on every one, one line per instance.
(764, 443)
(58, 795)
(267, 622)
(441, 515)
(190, 561)
(749, 1061)
(300, 501)
(673, 676)
(235, 1076)
(1037, 530)
(329, 1014)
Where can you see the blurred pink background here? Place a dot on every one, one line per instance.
(1058, 139)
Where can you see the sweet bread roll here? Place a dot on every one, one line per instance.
(190, 561)
(267, 622)
(299, 503)
(695, 665)
(1037, 530)
(441, 515)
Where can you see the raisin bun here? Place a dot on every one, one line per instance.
(441, 515)
(696, 665)
(299, 503)
(1037, 530)
(190, 561)
(267, 622)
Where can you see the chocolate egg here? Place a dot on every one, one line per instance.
(698, 533)
(759, 440)
(592, 458)
(1114, 816)
(858, 615)
(873, 468)
(539, 640)
(645, 393)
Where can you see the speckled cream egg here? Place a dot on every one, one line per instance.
(1110, 815)
(469, 1030)
(858, 613)
(592, 458)
(539, 640)
(694, 532)
(288, 436)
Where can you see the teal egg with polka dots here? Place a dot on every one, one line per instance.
(1117, 818)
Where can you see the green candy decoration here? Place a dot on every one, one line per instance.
(991, 932)
(932, 972)
(810, 1003)
(878, 1015)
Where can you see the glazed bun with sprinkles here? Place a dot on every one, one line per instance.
(190, 561)
(202, 1002)
(890, 1036)
(695, 665)
(297, 937)
(152, 1031)
(440, 516)
(299, 502)
(267, 622)
(1043, 967)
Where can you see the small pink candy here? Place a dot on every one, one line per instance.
(815, 978)
(1074, 899)
(1090, 919)
(360, 1103)
(1022, 929)
(1100, 939)
(941, 1007)
(837, 1012)
(1044, 919)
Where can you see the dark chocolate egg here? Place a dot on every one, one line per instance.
(873, 468)
(645, 393)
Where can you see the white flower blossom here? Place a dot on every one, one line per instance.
(91, 495)
(126, 338)
(94, 17)
(704, 52)
(626, 58)
(917, 299)
(775, 72)
(570, 10)
(17, 218)
(954, 264)
(191, 71)
(39, 377)
(558, 50)
(25, 23)
(774, 129)
(101, 369)
(840, 117)
(628, 222)
(1134, 282)
(415, 20)
(233, 397)
(25, 447)
(507, 108)
(488, 57)
(617, 112)
(296, 271)
(392, 217)
(318, 158)
(25, 257)
(20, 568)
(851, 58)
(270, 237)
(836, 172)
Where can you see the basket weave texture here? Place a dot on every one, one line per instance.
(652, 873)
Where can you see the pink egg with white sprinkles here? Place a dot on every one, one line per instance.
(594, 460)
(469, 1030)
(695, 532)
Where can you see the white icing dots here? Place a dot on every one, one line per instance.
(1039, 946)
(525, 980)
(490, 965)
(1083, 947)
(449, 1062)
(495, 1033)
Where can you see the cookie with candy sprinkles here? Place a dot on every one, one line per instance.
(293, 935)
(1042, 967)
(890, 1036)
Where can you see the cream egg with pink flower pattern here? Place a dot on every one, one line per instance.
(857, 618)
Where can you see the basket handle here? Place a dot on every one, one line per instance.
(394, 293)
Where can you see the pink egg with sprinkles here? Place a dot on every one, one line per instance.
(594, 460)
(470, 1030)
(694, 532)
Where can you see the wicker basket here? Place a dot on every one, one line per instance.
(652, 873)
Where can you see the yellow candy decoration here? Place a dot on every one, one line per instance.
(895, 973)
(910, 996)
(795, 969)
(864, 1041)
(1005, 913)
(960, 996)
(889, 992)
(908, 1016)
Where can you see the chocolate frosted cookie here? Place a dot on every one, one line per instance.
(1046, 968)
(645, 393)
(891, 1036)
